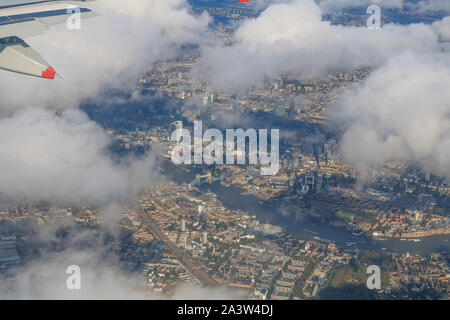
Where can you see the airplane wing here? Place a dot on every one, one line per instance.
(22, 21)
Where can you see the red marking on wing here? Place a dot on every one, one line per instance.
(49, 73)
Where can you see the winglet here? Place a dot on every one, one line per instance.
(49, 73)
(17, 56)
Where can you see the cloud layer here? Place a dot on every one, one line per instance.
(292, 38)
(402, 112)
(64, 157)
(110, 51)
(100, 274)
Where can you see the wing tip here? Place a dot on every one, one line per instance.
(49, 73)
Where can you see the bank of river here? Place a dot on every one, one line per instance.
(303, 226)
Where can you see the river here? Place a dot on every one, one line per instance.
(302, 226)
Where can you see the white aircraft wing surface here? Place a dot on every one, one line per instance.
(20, 19)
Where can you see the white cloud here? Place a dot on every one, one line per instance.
(402, 112)
(443, 29)
(293, 38)
(432, 5)
(63, 158)
(100, 275)
(100, 279)
(330, 6)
